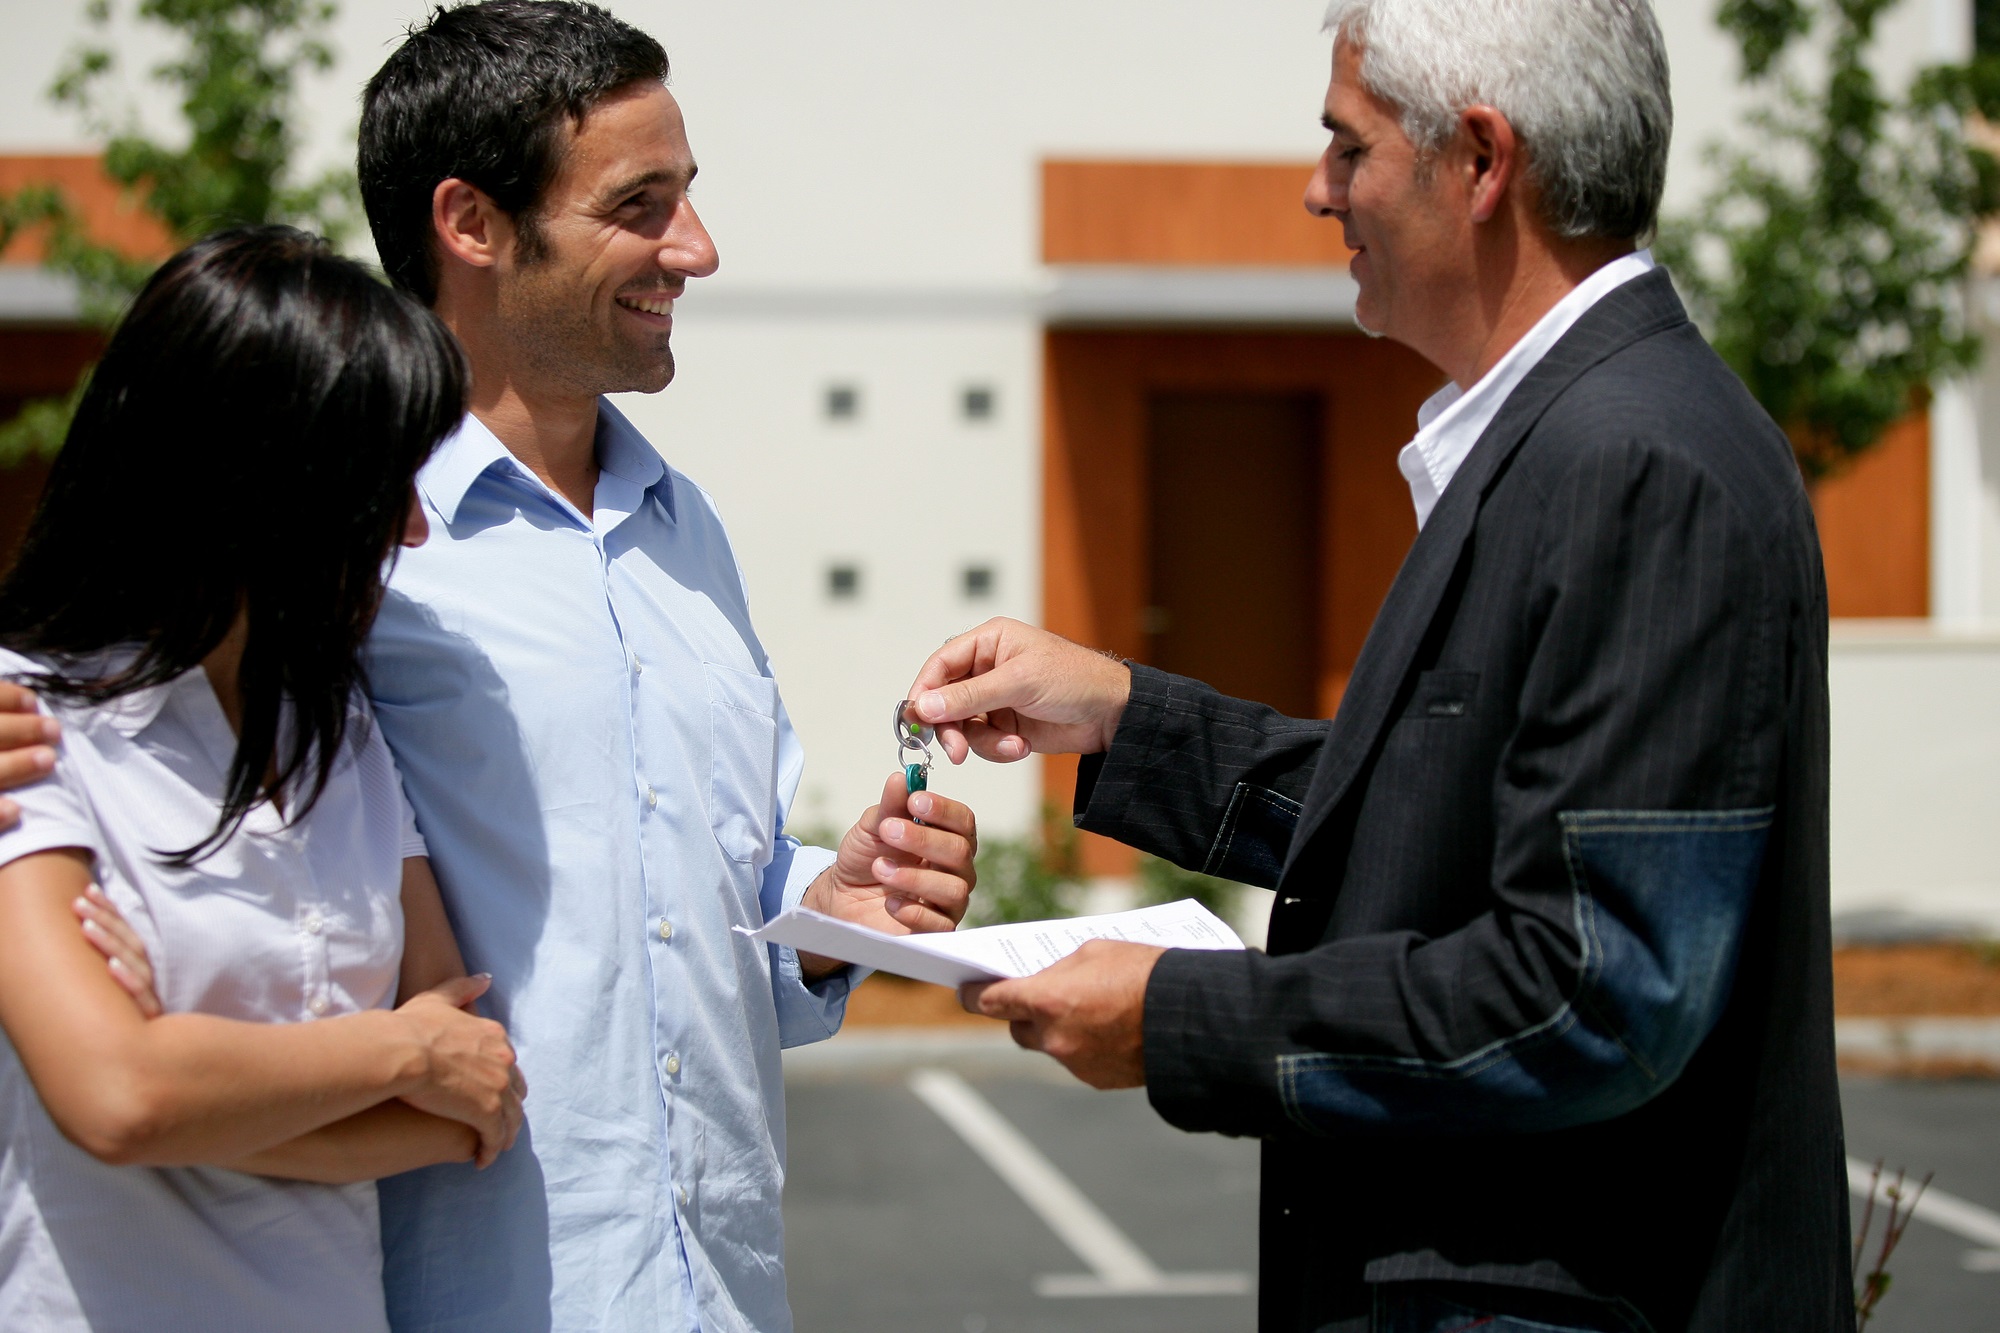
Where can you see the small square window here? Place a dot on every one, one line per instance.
(843, 402)
(978, 581)
(978, 403)
(843, 582)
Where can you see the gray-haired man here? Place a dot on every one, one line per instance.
(1544, 1036)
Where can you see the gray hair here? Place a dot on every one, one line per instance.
(1583, 83)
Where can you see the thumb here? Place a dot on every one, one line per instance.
(1005, 686)
(460, 992)
(895, 802)
(996, 999)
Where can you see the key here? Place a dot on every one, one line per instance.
(913, 736)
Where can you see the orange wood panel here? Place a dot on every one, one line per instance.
(1095, 538)
(1875, 527)
(111, 215)
(1214, 213)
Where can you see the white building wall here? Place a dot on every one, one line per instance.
(909, 493)
(1916, 776)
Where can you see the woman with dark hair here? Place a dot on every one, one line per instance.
(190, 604)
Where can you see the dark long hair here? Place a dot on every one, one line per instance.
(247, 444)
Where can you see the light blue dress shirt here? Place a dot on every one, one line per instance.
(588, 729)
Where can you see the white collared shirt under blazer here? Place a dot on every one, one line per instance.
(1451, 420)
(280, 925)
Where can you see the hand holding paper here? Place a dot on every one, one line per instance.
(991, 953)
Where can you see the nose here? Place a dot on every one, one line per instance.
(1319, 199)
(416, 527)
(689, 250)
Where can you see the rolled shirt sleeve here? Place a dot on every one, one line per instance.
(806, 1013)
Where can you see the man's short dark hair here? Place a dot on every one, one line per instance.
(482, 92)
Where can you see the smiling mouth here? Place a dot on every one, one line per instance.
(658, 304)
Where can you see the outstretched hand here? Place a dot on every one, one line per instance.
(1007, 690)
(896, 875)
(1087, 1011)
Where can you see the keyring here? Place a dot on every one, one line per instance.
(913, 736)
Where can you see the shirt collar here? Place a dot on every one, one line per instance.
(1452, 420)
(472, 449)
(624, 453)
(461, 460)
(130, 714)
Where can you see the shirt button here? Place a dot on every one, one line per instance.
(317, 1004)
(666, 929)
(638, 667)
(314, 924)
(652, 799)
(672, 1064)
(681, 1193)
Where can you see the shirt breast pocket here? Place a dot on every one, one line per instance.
(743, 759)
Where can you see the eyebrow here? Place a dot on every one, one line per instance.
(1334, 126)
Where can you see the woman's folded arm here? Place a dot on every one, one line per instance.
(384, 1140)
(189, 1089)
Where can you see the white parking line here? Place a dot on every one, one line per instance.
(1947, 1212)
(1118, 1267)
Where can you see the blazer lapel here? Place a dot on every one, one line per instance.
(1644, 306)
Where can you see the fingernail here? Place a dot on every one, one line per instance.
(482, 976)
(43, 760)
(895, 905)
(894, 828)
(118, 965)
(80, 903)
(921, 803)
(931, 705)
(51, 729)
(884, 867)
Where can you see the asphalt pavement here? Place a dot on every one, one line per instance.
(978, 1190)
(1941, 1280)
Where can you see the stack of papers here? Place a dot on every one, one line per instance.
(990, 953)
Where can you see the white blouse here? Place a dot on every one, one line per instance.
(279, 925)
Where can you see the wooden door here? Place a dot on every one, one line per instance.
(1224, 504)
(1234, 482)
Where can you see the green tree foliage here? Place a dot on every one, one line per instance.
(235, 77)
(1828, 264)
(1027, 879)
(1162, 881)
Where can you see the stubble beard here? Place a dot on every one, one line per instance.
(565, 347)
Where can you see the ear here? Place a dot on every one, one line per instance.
(1492, 159)
(468, 225)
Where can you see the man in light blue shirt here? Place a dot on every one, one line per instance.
(584, 717)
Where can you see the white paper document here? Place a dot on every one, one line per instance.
(989, 953)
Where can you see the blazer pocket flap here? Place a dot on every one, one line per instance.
(1443, 695)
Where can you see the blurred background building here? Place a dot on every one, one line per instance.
(1019, 313)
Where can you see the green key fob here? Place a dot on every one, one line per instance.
(913, 736)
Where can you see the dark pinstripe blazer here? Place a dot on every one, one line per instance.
(1547, 1003)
